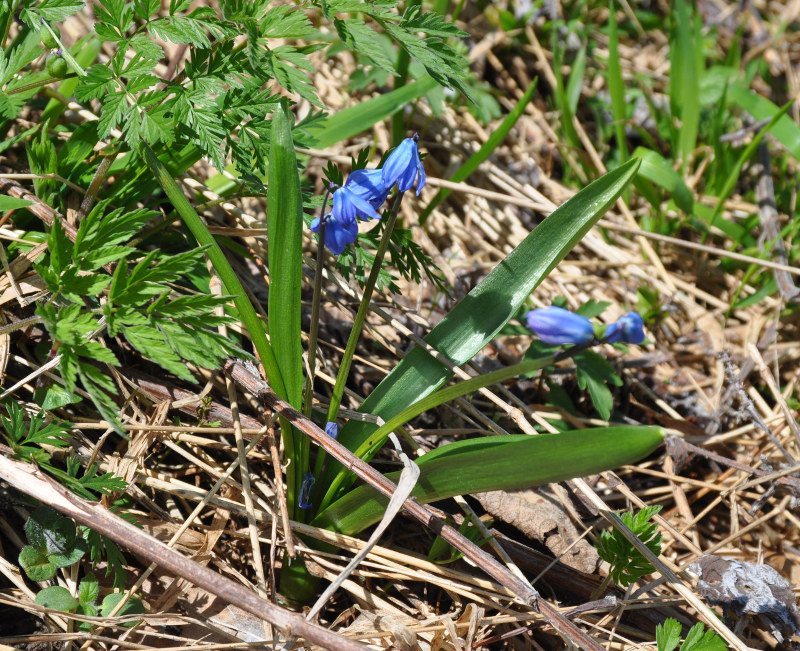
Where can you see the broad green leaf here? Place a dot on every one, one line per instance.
(133, 606)
(285, 228)
(354, 120)
(222, 267)
(499, 463)
(472, 163)
(656, 169)
(476, 320)
(35, 563)
(57, 598)
(13, 203)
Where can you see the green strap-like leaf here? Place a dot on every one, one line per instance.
(352, 121)
(285, 243)
(477, 319)
(499, 463)
(285, 246)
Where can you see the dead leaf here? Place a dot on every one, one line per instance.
(540, 517)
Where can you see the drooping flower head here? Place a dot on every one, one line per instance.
(628, 329)
(332, 429)
(555, 325)
(404, 167)
(338, 233)
(358, 198)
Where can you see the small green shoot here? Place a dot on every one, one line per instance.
(668, 636)
(628, 564)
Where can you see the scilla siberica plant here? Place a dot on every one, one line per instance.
(231, 102)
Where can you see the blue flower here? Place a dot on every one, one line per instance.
(332, 430)
(555, 325)
(338, 233)
(404, 167)
(368, 184)
(628, 329)
(305, 491)
(358, 198)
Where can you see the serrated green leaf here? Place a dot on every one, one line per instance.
(697, 640)
(668, 634)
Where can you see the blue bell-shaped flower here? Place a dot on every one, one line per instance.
(338, 233)
(628, 329)
(555, 325)
(368, 184)
(404, 167)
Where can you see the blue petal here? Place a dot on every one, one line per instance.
(555, 325)
(305, 491)
(368, 184)
(347, 205)
(403, 167)
(397, 162)
(628, 329)
(338, 234)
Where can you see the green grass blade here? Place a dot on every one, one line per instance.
(472, 163)
(616, 86)
(356, 119)
(499, 463)
(785, 130)
(684, 87)
(477, 319)
(748, 152)
(377, 439)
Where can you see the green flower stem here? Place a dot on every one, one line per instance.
(316, 300)
(361, 315)
(358, 323)
(230, 282)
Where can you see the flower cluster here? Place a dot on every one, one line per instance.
(555, 325)
(365, 191)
